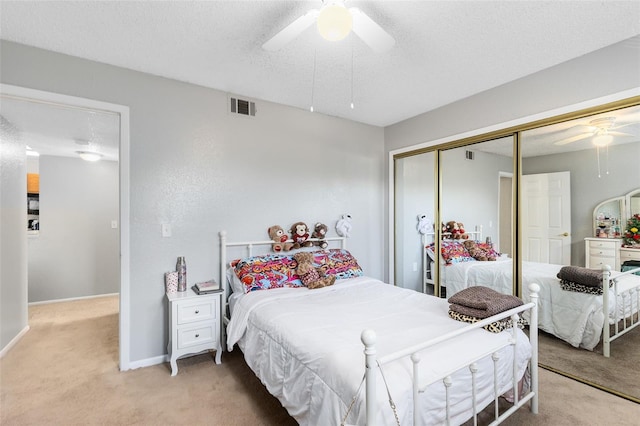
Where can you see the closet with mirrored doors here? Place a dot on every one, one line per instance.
(518, 197)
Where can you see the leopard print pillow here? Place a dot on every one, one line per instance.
(494, 327)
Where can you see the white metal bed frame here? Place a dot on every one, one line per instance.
(427, 272)
(620, 326)
(373, 363)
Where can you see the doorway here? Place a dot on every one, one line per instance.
(42, 97)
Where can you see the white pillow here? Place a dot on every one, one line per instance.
(234, 281)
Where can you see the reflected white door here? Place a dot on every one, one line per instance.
(546, 218)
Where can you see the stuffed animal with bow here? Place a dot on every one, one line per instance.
(311, 276)
(300, 235)
(279, 237)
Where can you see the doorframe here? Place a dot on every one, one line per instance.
(124, 190)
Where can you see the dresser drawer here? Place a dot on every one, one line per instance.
(196, 336)
(594, 245)
(629, 254)
(599, 261)
(198, 310)
(602, 252)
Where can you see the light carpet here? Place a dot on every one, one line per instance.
(64, 371)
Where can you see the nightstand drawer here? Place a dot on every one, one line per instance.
(609, 245)
(196, 336)
(197, 311)
(629, 254)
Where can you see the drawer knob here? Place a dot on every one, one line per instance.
(197, 311)
(197, 335)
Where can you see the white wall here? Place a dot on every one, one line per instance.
(13, 234)
(202, 170)
(76, 252)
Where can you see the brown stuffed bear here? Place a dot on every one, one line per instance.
(300, 235)
(463, 234)
(277, 234)
(320, 232)
(476, 252)
(311, 276)
(452, 229)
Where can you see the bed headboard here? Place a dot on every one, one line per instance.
(249, 247)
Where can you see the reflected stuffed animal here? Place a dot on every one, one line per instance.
(476, 252)
(424, 224)
(311, 276)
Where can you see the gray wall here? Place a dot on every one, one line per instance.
(604, 72)
(13, 234)
(76, 252)
(202, 170)
(587, 190)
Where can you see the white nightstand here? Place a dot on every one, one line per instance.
(627, 253)
(194, 325)
(602, 251)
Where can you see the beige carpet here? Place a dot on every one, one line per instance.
(618, 373)
(65, 372)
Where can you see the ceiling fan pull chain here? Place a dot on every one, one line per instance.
(313, 80)
(607, 159)
(598, 154)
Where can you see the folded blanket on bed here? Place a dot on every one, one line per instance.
(580, 288)
(494, 327)
(482, 302)
(580, 275)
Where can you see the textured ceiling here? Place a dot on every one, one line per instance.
(445, 50)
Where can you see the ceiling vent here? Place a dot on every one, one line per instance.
(468, 155)
(242, 107)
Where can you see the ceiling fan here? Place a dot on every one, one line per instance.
(602, 130)
(335, 22)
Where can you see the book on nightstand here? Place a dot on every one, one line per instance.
(206, 287)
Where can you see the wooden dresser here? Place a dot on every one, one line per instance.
(602, 251)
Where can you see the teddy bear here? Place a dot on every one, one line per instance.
(320, 232)
(476, 252)
(311, 276)
(461, 232)
(300, 235)
(452, 229)
(277, 234)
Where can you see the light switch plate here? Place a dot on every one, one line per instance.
(166, 230)
(114, 224)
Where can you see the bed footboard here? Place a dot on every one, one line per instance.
(373, 363)
(625, 306)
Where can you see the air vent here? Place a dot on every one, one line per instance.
(243, 107)
(468, 155)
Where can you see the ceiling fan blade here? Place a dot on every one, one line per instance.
(614, 133)
(573, 139)
(291, 31)
(371, 33)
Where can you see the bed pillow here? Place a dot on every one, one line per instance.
(452, 252)
(338, 262)
(233, 280)
(267, 272)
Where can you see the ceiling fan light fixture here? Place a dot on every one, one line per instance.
(334, 22)
(602, 139)
(89, 156)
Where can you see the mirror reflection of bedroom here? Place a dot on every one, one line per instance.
(569, 212)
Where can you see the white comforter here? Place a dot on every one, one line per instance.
(305, 347)
(574, 317)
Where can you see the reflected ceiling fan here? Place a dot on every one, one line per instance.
(335, 22)
(602, 130)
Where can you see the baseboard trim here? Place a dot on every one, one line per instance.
(44, 302)
(148, 362)
(13, 342)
